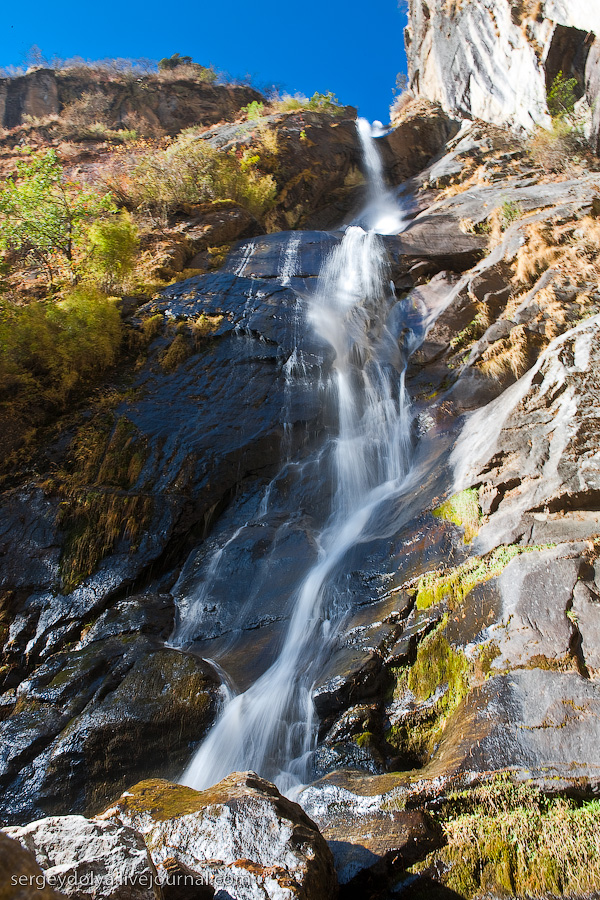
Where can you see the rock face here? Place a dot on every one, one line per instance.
(242, 835)
(495, 59)
(169, 106)
(83, 859)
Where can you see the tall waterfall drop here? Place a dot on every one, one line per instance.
(271, 727)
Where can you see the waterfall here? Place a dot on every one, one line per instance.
(271, 727)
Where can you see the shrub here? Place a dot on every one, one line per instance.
(43, 217)
(562, 96)
(557, 149)
(174, 61)
(253, 111)
(327, 102)
(112, 249)
(191, 171)
(185, 67)
(47, 349)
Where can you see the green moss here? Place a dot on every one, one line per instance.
(463, 510)
(438, 664)
(454, 585)
(438, 667)
(511, 839)
(365, 739)
(99, 506)
(163, 799)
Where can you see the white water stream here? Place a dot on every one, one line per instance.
(271, 727)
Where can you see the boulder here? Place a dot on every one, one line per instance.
(95, 859)
(72, 738)
(21, 878)
(241, 834)
(419, 135)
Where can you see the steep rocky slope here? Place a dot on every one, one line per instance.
(464, 684)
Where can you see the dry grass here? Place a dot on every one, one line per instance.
(572, 247)
(400, 103)
(537, 254)
(506, 356)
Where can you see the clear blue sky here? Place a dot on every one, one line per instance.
(353, 49)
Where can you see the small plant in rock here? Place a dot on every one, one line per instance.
(511, 211)
(253, 111)
(562, 96)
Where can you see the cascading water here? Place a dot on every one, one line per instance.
(271, 727)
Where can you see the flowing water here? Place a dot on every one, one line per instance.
(271, 727)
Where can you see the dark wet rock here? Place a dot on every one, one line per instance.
(29, 544)
(370, 849)
(364, 756)
(73, 738)
(353, 673)
(18, 863)
(418, 624)
(242, 835)
(83, 858)
(266, 256)
(164, 704)
(352, 743)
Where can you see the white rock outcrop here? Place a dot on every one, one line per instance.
(493, 59)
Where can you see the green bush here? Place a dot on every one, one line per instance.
(42, 217)
(253, 111)
(174, 61)
(191, 171)
(185, 67)
(327, 102)
(562, 96)
(48, 349)
(112, 249)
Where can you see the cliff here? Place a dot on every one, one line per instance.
(120, 99)
(495, 59)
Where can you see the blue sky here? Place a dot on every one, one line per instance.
(316, 45)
